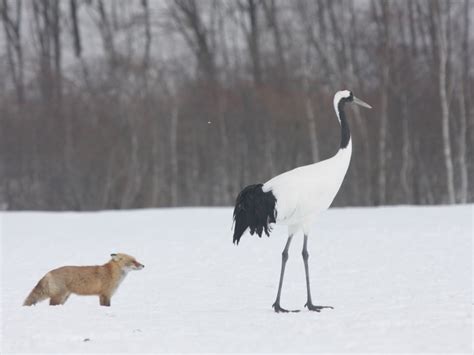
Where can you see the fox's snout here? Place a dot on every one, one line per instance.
(126, 262)
(138, 266)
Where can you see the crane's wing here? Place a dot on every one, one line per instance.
(303, 191)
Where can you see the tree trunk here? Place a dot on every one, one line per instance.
(463, 129)
(309, 109)
(174, 154)
(443, 95)
(382, 176)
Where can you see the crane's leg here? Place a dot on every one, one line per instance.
(309, 302)
(284, 257)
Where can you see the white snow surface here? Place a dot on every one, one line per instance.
(399, 279)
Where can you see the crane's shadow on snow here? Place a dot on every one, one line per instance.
(311, 308)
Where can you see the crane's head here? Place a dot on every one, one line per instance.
(346, 96)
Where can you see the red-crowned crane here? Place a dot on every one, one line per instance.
(296, 197)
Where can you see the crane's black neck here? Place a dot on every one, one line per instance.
(345, 131)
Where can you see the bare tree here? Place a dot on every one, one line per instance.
(106, 29)
(250, 13)
(76, 34)
(188, 18)
(464, 88)
(381, 14)
(272, 14)
(12, 21)
(147, 25)
(309, 108)
(47, 29)
(441, 43)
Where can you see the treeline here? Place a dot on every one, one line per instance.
(131, 104)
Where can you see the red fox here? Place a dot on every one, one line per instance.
(103, 281)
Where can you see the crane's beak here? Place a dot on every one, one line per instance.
(361, 103)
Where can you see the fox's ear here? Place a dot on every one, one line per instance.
(114, 256)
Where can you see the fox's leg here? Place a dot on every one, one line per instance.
(59, 299)
(105, 300)
(65, 297)
(55, 300)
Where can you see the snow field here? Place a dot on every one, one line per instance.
(399, 278)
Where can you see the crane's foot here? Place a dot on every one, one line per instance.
(314, 308)
(277, 308)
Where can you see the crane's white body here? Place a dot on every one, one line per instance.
(304, 192)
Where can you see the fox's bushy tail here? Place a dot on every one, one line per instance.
(38, 294)
(254, 209)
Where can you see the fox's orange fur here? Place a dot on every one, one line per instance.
(103, 281)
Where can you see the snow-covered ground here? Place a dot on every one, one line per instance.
(400, 280)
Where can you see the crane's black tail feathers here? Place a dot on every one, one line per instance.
(254, 209)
